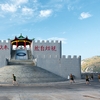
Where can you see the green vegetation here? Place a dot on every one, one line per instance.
(91, 63)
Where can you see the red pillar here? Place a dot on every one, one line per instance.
(16, 43)
(25, 44)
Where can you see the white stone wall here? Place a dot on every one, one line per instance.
(53, 61)
(47, 48)
(61, 66)
(5, 52)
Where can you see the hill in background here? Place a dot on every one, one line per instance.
(91, 64)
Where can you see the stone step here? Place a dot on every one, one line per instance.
(21, 62)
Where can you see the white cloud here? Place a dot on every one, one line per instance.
(63, 32)
(1, 15)
(70, 7)
(45, 13)
(27, 11)
(34, 0)
(33, 8)
(19, 8)
(18, 2)
(13, 5)
(58, 6)
(8, 7)
(84, 15)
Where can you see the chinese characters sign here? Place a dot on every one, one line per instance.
(3, 47)
(45, 48)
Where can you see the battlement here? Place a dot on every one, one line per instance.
(71, 57)
(4, 41)
(47, 56)
(56, 56)
(47, 41)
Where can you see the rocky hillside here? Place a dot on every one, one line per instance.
(91, 64)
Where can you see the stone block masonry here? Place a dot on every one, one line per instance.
(61, 66)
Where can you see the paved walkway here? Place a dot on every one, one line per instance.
(51, 91)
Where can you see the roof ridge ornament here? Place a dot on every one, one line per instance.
(21, 37)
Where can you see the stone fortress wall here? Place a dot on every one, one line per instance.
(61, 66)
(47, 55)
(53, 60)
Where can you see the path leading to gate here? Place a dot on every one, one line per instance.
(51, 91)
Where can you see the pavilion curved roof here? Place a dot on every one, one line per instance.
(20, 40)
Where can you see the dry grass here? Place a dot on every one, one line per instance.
(91, 62)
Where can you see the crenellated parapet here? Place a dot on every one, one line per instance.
(4, 41)
(47, 56)
(56, 56)
(47, 41)
(71, 57)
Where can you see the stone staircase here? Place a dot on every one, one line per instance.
(26, 72)
(21, 62)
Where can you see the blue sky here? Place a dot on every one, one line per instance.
(75, 22)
